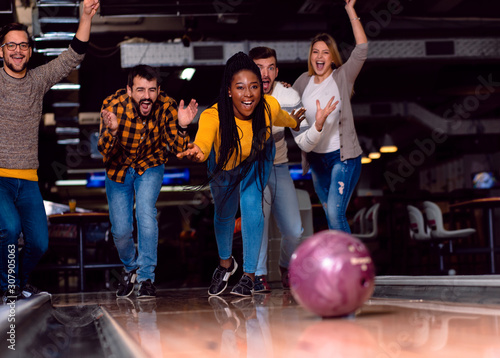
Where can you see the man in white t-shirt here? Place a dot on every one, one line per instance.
(280, 195)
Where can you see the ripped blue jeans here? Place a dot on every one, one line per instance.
(334, 182)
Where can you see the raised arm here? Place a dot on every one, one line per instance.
(357, 27)
(89, 9)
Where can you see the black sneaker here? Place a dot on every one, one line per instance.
(126, 284)
(260, 285)
(220, 277)
(146, 290)
(244, 287)
(29, 291)
(12, 295)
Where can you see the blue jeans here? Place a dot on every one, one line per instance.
(281, 199)
(21, 209)
(334, 182)
(249, 194)
(146, 188)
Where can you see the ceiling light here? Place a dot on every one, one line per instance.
(365, 160)
(374, 155)
(187, 74)
(69, 141)
(388, 145)
(65, 86)
(76, 182)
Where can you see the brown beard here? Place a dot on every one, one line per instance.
(137, 106)
(11, 67)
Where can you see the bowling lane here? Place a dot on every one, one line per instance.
(186, 323)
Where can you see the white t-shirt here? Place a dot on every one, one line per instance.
(323, 91)
(289, 100)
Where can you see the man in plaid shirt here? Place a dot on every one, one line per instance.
(140, 125)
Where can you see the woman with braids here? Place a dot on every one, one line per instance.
(234, 135)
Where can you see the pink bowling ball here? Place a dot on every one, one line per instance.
(331, 274)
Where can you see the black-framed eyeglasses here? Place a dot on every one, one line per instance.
(11, 46)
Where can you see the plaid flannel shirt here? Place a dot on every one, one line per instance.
(139, 143)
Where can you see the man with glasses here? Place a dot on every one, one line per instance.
(18, 63)
(21, 99)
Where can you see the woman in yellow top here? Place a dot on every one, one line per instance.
(234, 135)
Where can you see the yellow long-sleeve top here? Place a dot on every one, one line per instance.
(208, 130)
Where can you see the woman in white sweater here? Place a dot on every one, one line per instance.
(332, 146)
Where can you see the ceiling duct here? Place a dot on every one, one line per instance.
(483, 48)
(217, 53)
(313, 7)
(203, 53)
(448, 126)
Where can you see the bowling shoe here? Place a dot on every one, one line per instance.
(126, 284)
(261, 285)
(146, 290)
(244, 287)
(29, 291)
(220, 277)
(12, 295)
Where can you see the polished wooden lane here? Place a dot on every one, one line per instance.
(187, 323)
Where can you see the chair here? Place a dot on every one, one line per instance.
(358, 222)
(418, 229)
(434, 230)
(421, 232)
(435, 221)
(371, 222)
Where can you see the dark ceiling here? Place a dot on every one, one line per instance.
(300, 19)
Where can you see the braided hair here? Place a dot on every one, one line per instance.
(229, 132)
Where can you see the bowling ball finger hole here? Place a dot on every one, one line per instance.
(364, 283)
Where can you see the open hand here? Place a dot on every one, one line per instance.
(186, 115)
(299, 116)
(323, 113)
(193, 153)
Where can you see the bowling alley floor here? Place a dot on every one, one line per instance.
(187, 323)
